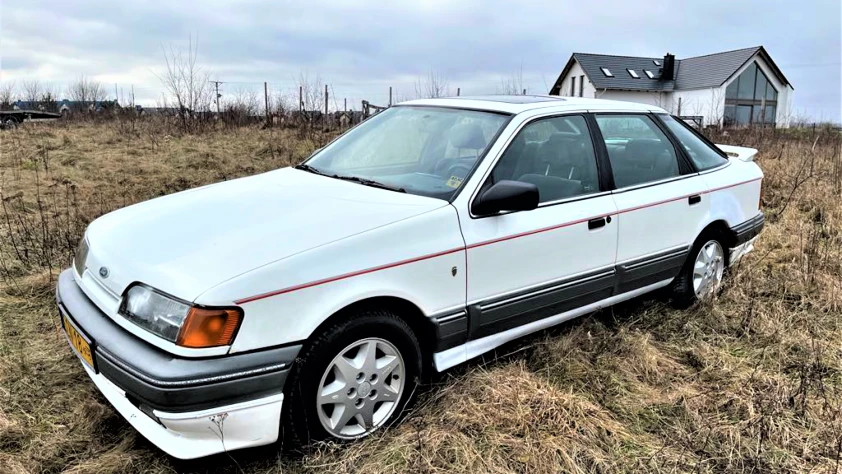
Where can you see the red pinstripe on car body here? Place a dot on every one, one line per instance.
(472, 246)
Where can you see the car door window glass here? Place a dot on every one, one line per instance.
(638, 150)
(702, 155)
(555, 154)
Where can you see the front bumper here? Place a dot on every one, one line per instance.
(187, 407)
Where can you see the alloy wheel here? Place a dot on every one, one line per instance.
(708, 269)
(360, 388)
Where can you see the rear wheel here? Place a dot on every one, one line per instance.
(10, 124)
(701, 276)
(356, 377)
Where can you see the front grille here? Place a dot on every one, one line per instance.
(81, 256)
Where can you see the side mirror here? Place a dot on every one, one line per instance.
(506, 196)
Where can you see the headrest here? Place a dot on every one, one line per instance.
(467, 135)
(644, 151)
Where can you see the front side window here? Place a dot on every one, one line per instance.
(638, 150)
(421, 150)
(701, 154)
(555, 154)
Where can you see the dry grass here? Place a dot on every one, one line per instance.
(752, 383)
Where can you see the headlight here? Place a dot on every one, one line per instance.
(179, 322)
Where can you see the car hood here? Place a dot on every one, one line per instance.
(188, 242)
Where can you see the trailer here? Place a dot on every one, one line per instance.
(10, 119)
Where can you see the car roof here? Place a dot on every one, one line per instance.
(515, 104)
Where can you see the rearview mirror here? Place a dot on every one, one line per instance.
(506, 196)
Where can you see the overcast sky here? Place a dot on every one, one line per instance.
(360, 48)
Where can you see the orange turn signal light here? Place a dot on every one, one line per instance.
(205, 327)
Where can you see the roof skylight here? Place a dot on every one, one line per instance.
(607, 72)
(649, 74)
(633, 74)
(656, 62)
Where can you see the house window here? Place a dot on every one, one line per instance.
(649, 74)
(751, 99)
(573, 86)
(606, 71)
(581, 85)
(633, 74)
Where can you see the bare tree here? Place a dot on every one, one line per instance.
(433, 86)
(31, 90)
(86, 91)
(187, 84)
(717, 107)
(512, 85)
(310, 91)
(8, 94)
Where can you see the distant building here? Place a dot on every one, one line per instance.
(742, 87)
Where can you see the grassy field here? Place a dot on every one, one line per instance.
(750, 383)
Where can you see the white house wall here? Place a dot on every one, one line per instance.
(708, 103)
(658, 99)
(577, 72)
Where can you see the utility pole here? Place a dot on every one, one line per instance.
(390, 96)
(326, 121)
(132, 95)
(458, 91)
(216, 87)
(115, 93)
(266, 98)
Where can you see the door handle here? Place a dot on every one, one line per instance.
(596, 223)
(695, 199)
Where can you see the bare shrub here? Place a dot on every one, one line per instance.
(188, 85)
(432, 86)
(8, 94)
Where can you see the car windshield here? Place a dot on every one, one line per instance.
(419, 150)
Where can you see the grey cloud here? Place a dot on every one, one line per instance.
(361, 48)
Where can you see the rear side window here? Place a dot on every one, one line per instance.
(556, 155)
(701, 153)
(638, 150)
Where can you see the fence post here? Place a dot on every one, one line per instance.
(266, 99)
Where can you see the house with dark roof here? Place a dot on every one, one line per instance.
(734, 88)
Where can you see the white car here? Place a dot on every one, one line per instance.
(309, 301)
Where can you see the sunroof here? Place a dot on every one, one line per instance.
(606, 72)
(656, 62)
(649, 74)
(633, 74)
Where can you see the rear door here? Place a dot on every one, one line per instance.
(660, 199)
(528, 265)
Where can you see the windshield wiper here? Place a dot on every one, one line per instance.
(310, 169)
(369, 182)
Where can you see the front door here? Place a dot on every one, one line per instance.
(529, 265)
(660, 201)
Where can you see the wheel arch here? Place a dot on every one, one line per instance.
(720, 227)
(418, 322)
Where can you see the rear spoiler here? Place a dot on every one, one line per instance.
(739, 152)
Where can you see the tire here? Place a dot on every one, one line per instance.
(684, 291)
(307, 417)
(10, 124)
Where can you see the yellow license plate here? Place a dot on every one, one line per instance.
(78, 342)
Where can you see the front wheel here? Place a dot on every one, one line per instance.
(354, 378)
(701, 276)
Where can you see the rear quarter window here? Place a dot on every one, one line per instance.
(703, 155)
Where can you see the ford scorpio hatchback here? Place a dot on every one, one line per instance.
(309, 300)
